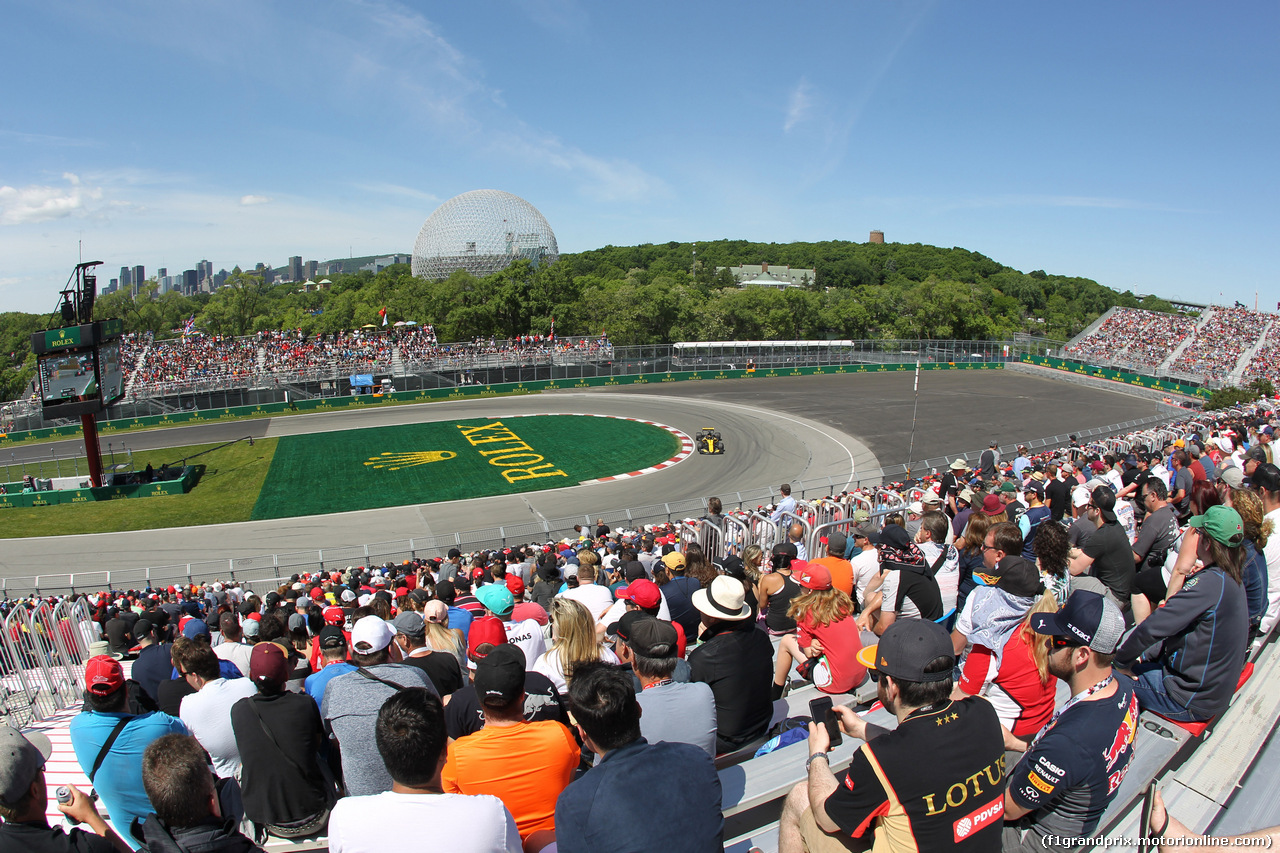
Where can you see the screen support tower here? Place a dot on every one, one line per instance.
(77, 307)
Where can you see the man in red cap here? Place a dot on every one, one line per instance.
(116, 772)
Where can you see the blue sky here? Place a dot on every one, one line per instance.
(1133, 143)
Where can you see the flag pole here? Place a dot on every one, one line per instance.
(914, 408)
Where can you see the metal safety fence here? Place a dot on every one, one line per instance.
(43, 649)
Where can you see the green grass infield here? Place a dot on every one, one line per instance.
(452, 460)
(230, 480)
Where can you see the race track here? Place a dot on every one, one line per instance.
(775, 430)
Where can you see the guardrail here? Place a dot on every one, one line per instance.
(271, 567)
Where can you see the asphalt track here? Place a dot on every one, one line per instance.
(775, 430)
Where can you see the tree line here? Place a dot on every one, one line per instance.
(647, 294)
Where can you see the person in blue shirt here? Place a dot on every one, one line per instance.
(639, 796)
(333, 651)
(116, 773)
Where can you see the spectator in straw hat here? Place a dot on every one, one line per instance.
(736, 661)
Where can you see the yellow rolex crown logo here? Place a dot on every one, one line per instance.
(396, 461)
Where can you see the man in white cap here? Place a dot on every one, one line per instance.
(351, 702)
(736, 661)
(24, 799)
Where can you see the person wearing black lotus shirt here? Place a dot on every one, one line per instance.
(936, 782)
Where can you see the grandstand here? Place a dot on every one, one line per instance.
(1220, 346)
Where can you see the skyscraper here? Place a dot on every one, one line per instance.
(295, 268)
(139, 277)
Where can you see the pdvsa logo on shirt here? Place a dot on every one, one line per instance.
(977, 820)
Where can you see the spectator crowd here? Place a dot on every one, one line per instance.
(576, 695)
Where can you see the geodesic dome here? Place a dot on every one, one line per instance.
(482, 232)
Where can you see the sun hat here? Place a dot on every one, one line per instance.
(725, 598)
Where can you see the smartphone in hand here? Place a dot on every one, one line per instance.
(823, 712)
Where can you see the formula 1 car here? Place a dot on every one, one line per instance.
(708, 441)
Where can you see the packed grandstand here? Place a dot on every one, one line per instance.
(1218, 344)
(728, 624)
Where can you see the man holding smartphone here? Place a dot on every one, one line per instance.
(934, 782)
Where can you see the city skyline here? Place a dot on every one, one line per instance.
(1095, 140)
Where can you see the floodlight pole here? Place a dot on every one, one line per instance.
(92, 449)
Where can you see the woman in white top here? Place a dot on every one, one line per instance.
(574, 642)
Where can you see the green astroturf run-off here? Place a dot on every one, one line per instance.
(452, 460)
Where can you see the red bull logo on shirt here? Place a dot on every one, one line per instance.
(1124, 735)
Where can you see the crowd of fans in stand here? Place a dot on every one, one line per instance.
(192, 358)
(493, 701)
(1218, 345)
(1264, 361)
(159, 365)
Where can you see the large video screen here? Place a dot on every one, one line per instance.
(110, 373)
(68, 376)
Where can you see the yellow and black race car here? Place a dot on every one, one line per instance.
(708, 441)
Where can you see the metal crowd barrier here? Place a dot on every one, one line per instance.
(43, 650)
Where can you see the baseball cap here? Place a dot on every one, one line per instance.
(497, 598)
(906, 648)
(530, 610)
(645, 634)
(371, 634)
(251, 627)
(515, 585)
(194, 628)
(297, 622)
(1104, 500)
(268, 666)
(1088, 617)
(21, 758)
(1232, 476)
(334, 616)
(674, 560)
(1222, 523)
(331, 637)
(810, 575)
(837, 542)
(410, 624)
(454, 553)
(867, 530)
(486, 629)
(1079, 496)
(1008, 486)
(643, 592)
(500, 675)
(103, 675)
(1014, 575)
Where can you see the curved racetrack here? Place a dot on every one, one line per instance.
(775, 430)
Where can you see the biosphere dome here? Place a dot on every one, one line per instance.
(482, 232)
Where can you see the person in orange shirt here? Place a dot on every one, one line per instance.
(526, 765)
(841, 569)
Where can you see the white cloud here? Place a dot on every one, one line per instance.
(799, 105)
(249, 200)
(37, 203)
(400, 191)
(601, 179)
